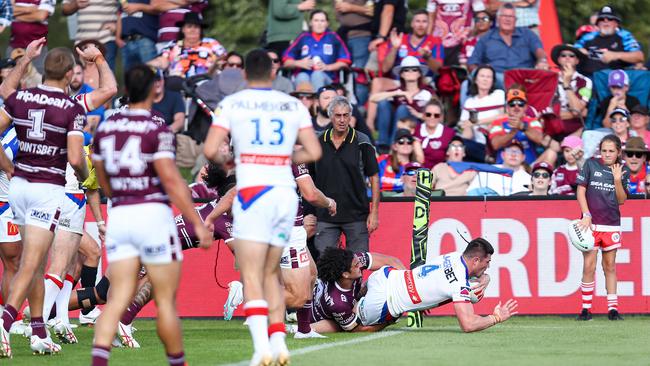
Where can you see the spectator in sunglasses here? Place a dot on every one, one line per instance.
(409, 179)
(446, 178)
(635, 153)
(305, 93)
(234, 61)
(482, 24)
(280, 82)
(619, 86)
(433, 134)
(404, 150)
(540, 180)
(640, 117)
(620, 121)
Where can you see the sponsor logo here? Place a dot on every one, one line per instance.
(44, 99)
(156, 251)
(304, 258)
(12, 229)
(284, 260)
(328, 49)
(79, 122)
(449, 270)
(616, 237)
(40, 216)
(344, 298)
(410, 288)
(38, 149)
(64, 222)
(598, 174)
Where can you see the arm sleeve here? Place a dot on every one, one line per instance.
(76, 120)
(178, 106)
(221, 116)
(630, 43)
(584, 174)
(293, 52)
(343, 313)
(370, 166)
(496, 129)
(343, 54)
(165, 144)
(281, 9)
(479, 50)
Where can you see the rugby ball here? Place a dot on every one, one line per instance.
(581, 239)
(476, 294)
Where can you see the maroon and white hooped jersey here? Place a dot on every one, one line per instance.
(127, 143)
(43, 116)
(24, 32)
(299, 171)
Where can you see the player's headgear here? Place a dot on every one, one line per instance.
(333, 263)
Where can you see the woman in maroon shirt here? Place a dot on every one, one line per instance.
(433, 135)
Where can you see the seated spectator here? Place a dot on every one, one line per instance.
(484, 106)
(540, 180)
(573, 91)
(233, 60)
(619, 86)
(171, 13)
(192, 54)
(317, 55)
(322, 120)
(169, 103)
(639, 122)
(611, 47)
(482, 24)
(280, 82)
(451, 21)
(433, 135)
(408, 99)
(636, 159)
(565, 176)
(647, 186)
(407, 123)
(588, 28)
(620, 121)
(305, 93)
(404, 150)
(497, 184)
(517, 126)
(409, 179)
(448, 179)
(527, 12)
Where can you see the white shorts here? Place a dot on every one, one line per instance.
(9, 232)
(373, 308)
(145, 230)
(73, 213)
(265, 214)
(36, 204)
(295, 255)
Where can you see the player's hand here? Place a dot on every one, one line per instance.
(205, 237)
(101, 228)
(90, 53)
(503, 313)
(617, 171)
(332, 207)
(34, 48)
(482, 283)
(372, 222)
(585, 223)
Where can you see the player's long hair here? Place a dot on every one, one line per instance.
(216, 177)
(333, 263)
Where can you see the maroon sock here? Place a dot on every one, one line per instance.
(177, 359)
(304, 318)
(9, 316)
(130, 313)
(38, 327)
(100, 355)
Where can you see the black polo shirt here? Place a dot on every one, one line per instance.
(341, 174)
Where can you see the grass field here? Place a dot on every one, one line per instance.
(548, 340)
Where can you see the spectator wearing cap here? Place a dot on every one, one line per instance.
(540, 180)
(406, 100)
(29, 24)
(640, 117)
(305, 93)
(636, 159)
(192, 54)
(317, 55)
(448, 179)
(324, 96)
(348, 160)
(620, 121)
(409, 180)
(96, 20)
(619, 86)
(452, 24)
(433, 134)
(611, 47)
(565, 176)
(171, 13)
(516, 125)
(574, 90)
(280, 82)
(502, 184)
(6, 14)
(169, 103)
(404, 150)
(137, 32)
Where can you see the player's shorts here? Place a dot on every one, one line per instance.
(73, 213)
(296, 255)
(35, 204)
(145, 230)
(373, 308)
(607, 240)
(9, 232)
(265, 214)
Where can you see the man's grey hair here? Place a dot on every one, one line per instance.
(337, 102)
(505, 6)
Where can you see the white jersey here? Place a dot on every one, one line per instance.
(263, 125)
(443, 278)
(10, 145)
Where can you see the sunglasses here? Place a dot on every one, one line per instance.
(435, 115)
(517, 103)
(405, 141)
(410, 69)
(456, 147)
(411, 172)
(569, 55)
(304, 95)
(623, 119)
(541, 175)
(275, 60)
(482, 19)
(233, 64)
(636, 154)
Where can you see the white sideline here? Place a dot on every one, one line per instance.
(320, 347)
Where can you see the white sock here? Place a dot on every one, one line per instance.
(277, 342)
(63, 299)
(257, 317)
(53, 285)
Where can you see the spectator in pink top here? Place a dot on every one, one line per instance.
(639, 122)
(564, 177)
(433, 135)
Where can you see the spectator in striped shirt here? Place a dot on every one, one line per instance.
(30, 23)
(171, 13)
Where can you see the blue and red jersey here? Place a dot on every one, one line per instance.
(502, 127)
(409, 49)
(328, 46)
(389, 179)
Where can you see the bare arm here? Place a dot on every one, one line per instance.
(179, 122)
(311, 150)
(165, 5)
(12, 81)
(216, 136)
(432, 21)
(471, 322)
(76, 156)
(224, 205)
(94, 203)
(500, 141)
(107, 83)
(30, 14)
(373, 217)
(380, 260)
(386, 19)
(313, 195)
(161, 62)
(102, 177)
(69, 8)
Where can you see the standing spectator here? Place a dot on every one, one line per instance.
(619, 86)
(426, 48)
(620, 121)
(501, 184)
(433, 135)
(573, 90)
(96, 20)
(169, 103)
(284, 22)
(355, 28)
(6, 14)
(636, 159)
(404, 150)
(482, 24)
(387, 15)
(451, 21)
(324, 96)
(639, 122)
(540, 180)
(317, 55)
(406, 100)
(611, 47)
(29, 24)
(173, 12)
(137, 28)
(305, 93)
(527, 12)
(448, 179)
(348, 160)
(280, 82)
(565, 176)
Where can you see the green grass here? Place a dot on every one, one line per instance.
(548, 340)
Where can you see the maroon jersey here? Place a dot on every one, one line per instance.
(129, 142)
(222, 227)
(200, 190)
(298, 172)
(331, 302)
(24, 32)
(156, 116)
(434, 145)
(564, 180)
(44, 117)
